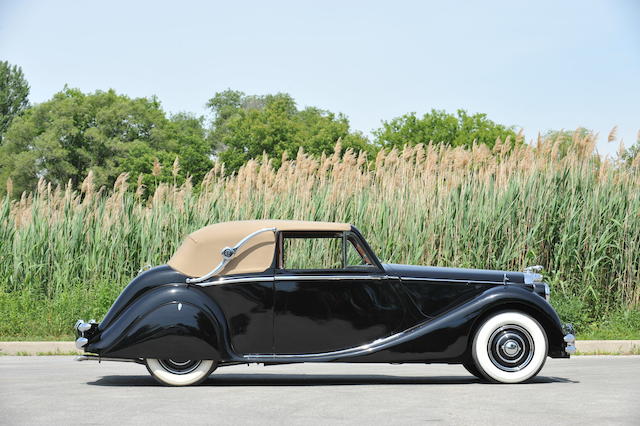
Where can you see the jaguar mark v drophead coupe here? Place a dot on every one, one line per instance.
(277, 292)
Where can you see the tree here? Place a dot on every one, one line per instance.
(65, 137)
(246, 126)
(185, 140)
(439, 126)
(14, 93)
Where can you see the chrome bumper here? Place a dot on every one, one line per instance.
(569, 339)
(81, 329)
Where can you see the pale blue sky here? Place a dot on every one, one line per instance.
(546, 65)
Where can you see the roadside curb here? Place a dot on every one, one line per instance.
(591, 347)
(38, 348)
(606, 347)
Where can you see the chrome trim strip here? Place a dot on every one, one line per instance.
(227, 254)
(99, 359)
(450, 280)
(322, 356)
(235, 281)
(329, 277)
(294, 278)
(375, 346)
(337, 278)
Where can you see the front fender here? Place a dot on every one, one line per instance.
(446, 338)
(514, 297)
(175, 321)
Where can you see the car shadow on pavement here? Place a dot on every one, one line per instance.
(314, 380)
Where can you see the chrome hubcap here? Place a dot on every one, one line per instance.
(179, 366)
(510, 348)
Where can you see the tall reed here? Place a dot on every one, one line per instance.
(66, 253)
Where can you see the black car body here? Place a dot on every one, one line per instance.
(253, 307)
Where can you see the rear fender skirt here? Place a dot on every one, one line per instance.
(171, 321)
(442, 339)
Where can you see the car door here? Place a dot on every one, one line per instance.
(329, 295)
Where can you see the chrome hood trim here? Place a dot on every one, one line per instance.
(436, 273)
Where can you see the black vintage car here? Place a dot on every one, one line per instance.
(277, 292)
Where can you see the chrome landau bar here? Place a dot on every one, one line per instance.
(227, 254)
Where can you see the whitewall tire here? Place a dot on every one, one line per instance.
(180, 372)
(509, 347)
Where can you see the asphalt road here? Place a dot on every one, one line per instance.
(57, 390)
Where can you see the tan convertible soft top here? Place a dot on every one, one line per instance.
(200, 251)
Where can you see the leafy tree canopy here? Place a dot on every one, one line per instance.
(246, 126)
(459, 129)
(14, 93)
(66, 137)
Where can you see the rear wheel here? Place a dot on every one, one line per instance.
(509, 347)
(180, 372)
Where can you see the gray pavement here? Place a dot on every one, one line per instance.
(590, 347)
(57, 390)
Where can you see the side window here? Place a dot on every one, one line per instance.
(355, 254)
(312, 253)
(323, 251)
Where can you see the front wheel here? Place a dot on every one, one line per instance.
(509, 347)
(180, 372)
(471, 368)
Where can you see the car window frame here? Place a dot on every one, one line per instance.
(374, 268)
